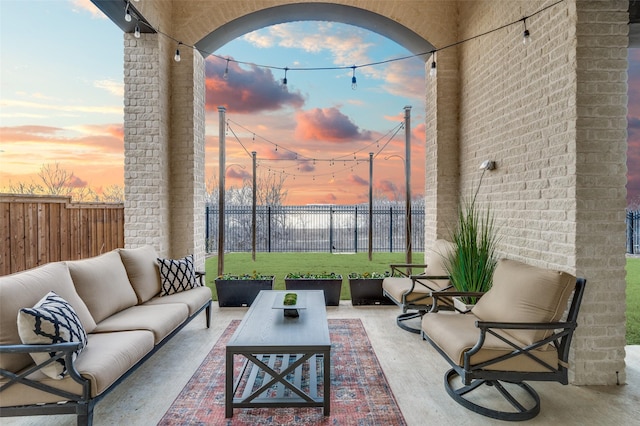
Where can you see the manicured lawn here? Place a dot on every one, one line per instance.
(633, 301)
(280, 264)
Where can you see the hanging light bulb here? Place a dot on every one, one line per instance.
(526, 35)
(284, 80)
(226, 76)
(433, 71)
(177, 55)
(354, 84)
(136, 32)
(127, 15)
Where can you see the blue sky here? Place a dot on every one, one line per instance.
(61, 100)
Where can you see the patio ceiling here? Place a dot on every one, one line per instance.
(115, 11)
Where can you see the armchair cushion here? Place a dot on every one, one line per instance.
(525, 293)
(439, 328)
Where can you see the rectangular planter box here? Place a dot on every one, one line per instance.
(236, 293)
(460, 306)
(330, 286)
(367, 291)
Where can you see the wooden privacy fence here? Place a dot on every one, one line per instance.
(36, 229)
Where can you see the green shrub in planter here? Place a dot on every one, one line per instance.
(241, 290)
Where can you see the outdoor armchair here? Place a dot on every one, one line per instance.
(515, 333)
(412, 292)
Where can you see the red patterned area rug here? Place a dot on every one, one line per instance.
(360, 393)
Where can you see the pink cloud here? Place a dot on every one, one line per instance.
(357, 180)
(246, 91)
(328, 124)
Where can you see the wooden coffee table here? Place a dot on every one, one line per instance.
(284, 356)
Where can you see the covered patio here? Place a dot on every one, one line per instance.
(415, 375)
(551, 115)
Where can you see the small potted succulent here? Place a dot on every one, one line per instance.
(329, 282)
(366, 288)
(240, 290)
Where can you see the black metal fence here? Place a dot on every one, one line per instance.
(633, 232)
(334, 229)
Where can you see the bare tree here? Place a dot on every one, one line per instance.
(113, 194)
(270, 191)
(30, 188)
(55, 180)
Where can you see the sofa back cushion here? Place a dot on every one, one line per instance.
(24, 290)
(103, 284)
(525, 293)
(142, 269)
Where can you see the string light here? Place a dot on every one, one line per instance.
(354, 84)
(226, 71)
(136, 32)
(127, 15)
(177, 55)
(526, 36)
(433, 71)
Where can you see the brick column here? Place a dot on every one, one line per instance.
(146, 142)
(601, 144)
(441, 183)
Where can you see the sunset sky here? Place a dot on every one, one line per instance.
(61, 101)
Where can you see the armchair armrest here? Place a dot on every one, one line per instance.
(54, 347)
(396, 268)
(445, 298)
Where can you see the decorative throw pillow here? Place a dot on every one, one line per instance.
(177, 275)
(51, 320)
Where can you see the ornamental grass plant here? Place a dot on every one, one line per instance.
(473, 260)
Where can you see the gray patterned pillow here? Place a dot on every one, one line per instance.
(51, 320)
(177, 275)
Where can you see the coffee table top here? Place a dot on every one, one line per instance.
(265, 328)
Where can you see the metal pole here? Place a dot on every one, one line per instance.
(221, 164)
(407, 165)
(370, 205)
(253, 210)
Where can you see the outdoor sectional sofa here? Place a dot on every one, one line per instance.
(121, 312)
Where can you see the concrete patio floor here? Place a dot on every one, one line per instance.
(414, 371)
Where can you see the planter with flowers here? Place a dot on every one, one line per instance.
(241, 290)
(366, 288)
(329, 282)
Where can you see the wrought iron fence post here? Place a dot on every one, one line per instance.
(390, 229)
(269, 227)
(206, 232)
(330, 229)
(355, 240)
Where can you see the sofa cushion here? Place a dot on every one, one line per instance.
(103, 284)
(51, 320)
(160, 320)
(177, 275)
(25, 289)
(142, 270)
(194, 299)
(106, 358)
(525, 293)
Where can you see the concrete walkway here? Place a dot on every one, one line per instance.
(414, 370)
